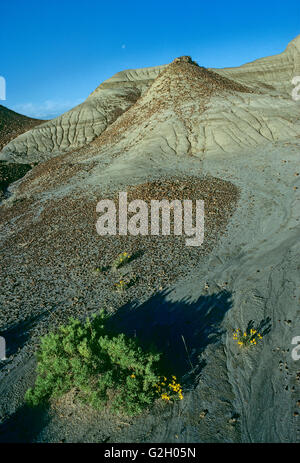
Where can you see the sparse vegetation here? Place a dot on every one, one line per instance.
(98, 270)
(105, 369)
(121, 260)
(247, 338)
(121, 286)
(125, 283)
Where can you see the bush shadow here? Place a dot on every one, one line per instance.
(181, 330)
(24, 425)
(16, 336)
(263, 327)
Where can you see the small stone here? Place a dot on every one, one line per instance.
(203, 413)
(234, 418)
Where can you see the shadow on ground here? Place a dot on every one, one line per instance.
(17, 335)
(263, 327)
(180, 330)
(24, 425)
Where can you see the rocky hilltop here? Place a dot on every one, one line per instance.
(232, 120)
(230, 137)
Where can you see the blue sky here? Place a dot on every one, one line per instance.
(55, 52)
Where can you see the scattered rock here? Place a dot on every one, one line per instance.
(203, 414)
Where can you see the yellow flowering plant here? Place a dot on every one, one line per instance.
(169, 389)
(125, 283)
(121, 286)
(247, 338)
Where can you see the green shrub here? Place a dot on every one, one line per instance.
(102, 367)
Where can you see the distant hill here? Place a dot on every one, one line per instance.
(13, 124)
(210, 111)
